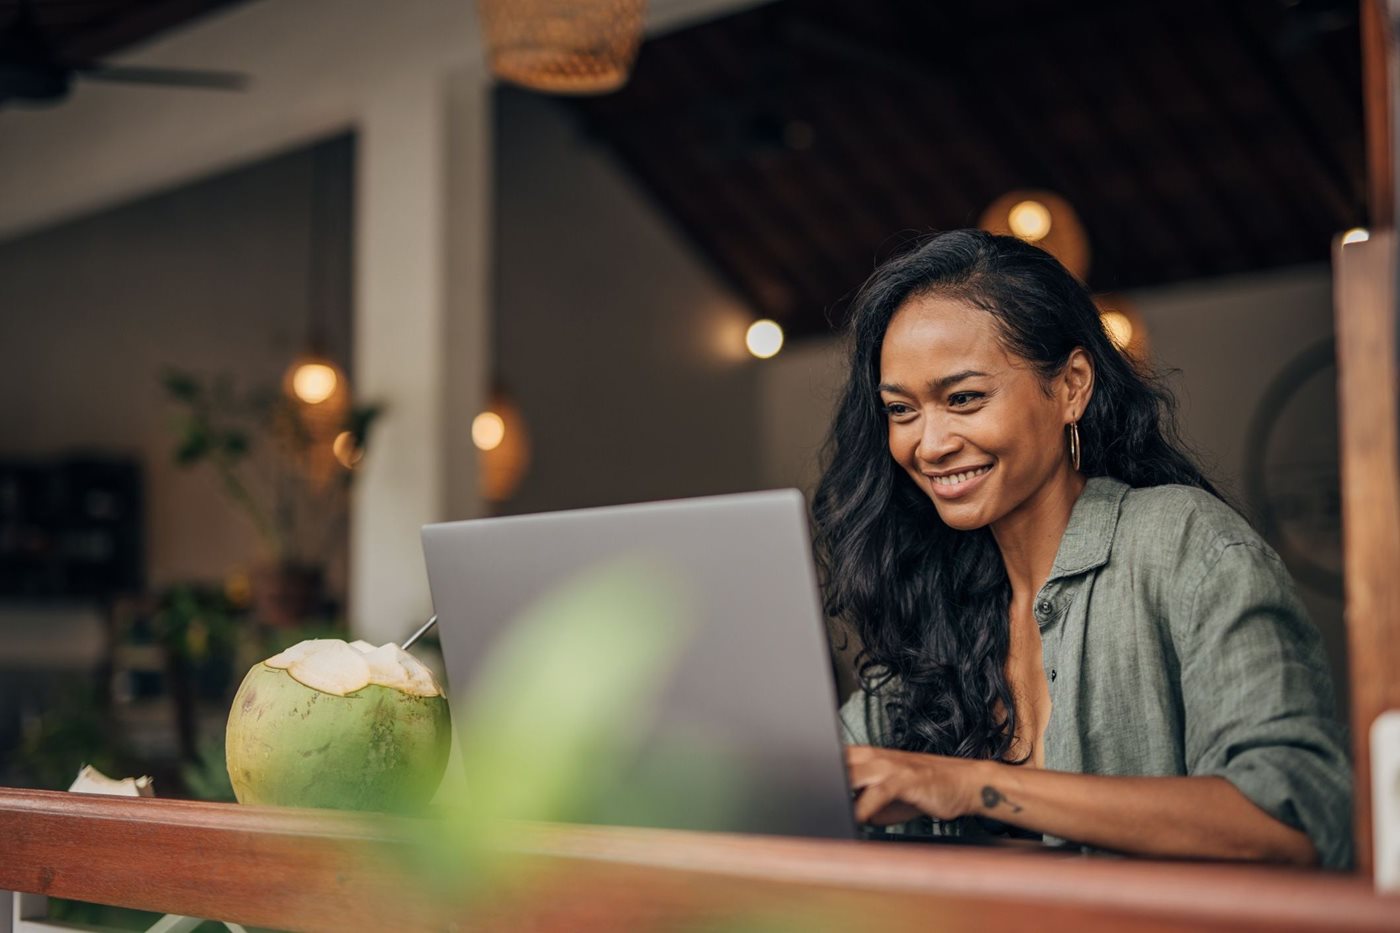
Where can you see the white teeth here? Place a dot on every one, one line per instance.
(957, 478)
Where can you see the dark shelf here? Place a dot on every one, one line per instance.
(70, 529)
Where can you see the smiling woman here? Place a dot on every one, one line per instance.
(1065, 631)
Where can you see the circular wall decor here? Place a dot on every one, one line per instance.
(1291, 475)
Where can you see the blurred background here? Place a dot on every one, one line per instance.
(282, 280)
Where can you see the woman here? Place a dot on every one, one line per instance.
(1063, 627)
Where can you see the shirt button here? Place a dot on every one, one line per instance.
(1043, 608)
(1052, 673)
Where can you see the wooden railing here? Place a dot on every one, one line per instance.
(314, 870)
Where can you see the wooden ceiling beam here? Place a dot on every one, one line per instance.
(1311, 149)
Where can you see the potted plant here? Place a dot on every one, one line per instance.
(287, 467)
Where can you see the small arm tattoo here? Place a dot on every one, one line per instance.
(991, 798)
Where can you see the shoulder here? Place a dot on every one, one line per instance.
(1181, 526)
(1198, 558)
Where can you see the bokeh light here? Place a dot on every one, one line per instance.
(764, 339)
(488, 430)
(313, 383)
(1029, 220)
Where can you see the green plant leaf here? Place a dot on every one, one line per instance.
(235, 444)
(564, 694)
(181, 385)
(194, 446)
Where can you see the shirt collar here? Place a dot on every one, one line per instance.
(1089, 536)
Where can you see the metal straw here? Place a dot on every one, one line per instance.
(408, 642)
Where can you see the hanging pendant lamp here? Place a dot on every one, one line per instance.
(314, 383)
(563, 46)
(1045, 219)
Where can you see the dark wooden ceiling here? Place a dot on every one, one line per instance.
(86, 30)
(801, 141)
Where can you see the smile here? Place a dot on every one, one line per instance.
(957, 479)
(958, 485)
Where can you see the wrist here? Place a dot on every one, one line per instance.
(981, 775)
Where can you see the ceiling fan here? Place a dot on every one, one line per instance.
(34, 73)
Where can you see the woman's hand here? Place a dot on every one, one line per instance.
(1165, 817)
(894, 786)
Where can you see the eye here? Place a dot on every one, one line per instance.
(963, 399)
(897, 409)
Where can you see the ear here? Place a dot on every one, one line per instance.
(1076, 384)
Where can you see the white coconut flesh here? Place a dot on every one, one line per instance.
(331, 666)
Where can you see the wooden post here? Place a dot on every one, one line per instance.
(1377, 67)
(1365, 306)
(1370, 454)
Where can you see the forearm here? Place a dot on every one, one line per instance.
(1170, 817)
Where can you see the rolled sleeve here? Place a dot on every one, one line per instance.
(862, 719)
(1257, 698)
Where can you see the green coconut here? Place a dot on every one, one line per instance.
(345, 726)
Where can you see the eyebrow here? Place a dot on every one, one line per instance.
(935, 386)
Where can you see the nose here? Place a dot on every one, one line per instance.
(937, 440)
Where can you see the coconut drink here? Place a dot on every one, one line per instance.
(346, 726)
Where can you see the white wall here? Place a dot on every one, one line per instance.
(624, 351)
(213, 278)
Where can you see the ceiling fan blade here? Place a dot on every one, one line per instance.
(169, 77)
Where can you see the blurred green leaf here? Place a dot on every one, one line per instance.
(207, 776)
(193, 445)
(563, 697)
(73, 730)
(235, 443)
(181, 385)
(360, 420)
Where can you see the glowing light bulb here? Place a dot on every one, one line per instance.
(313, 383)
(488, 430)
(764, 339)
(1029, 220)
(1120, 329)
(346, 450)
(1356, 235)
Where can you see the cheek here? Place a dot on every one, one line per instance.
(902, 443)
(1034, 441)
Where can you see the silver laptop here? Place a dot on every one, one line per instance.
(752, 686)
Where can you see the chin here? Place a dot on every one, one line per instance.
(963, 522)
(960, 519)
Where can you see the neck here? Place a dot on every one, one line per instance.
(1029, 537)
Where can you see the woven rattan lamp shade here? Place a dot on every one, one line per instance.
(563, 46)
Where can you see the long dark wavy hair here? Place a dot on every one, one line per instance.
(930, 604)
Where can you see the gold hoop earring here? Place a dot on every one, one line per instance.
(1074, 444)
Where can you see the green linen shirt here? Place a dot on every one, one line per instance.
(1174, 644)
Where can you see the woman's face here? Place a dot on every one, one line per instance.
(971, 424)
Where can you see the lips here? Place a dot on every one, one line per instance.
(957, 485)
(954, 479)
